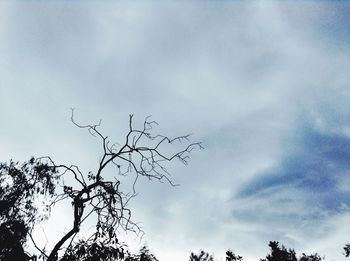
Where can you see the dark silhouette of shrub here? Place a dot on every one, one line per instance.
(144, 255)
(201, 256)
(280, 253)
(312, 257)
(347, 250)
(230, 256)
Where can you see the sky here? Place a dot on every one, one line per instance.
(264, 85)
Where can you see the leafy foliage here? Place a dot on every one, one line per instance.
(279, 253)
(230, 256)
(21, 186)
(312, 257)
(144, 255)
(12, 237)
(347, 250)
(202, 256)
(94, 251)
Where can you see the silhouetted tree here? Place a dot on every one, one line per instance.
(12, 238)
(144, 255)
(202, 256)
(280, 253)
(312, 257)
(94, 251)
(21, 185)
(347, 250)
(92, 194)
(230, 256)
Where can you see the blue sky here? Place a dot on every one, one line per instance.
(263, 84)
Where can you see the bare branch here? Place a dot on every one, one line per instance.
(142, 154)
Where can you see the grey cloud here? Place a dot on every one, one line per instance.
(235, 74)
(313, 163)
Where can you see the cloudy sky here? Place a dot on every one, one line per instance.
(265, 85)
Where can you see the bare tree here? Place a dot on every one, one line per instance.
(98, 196)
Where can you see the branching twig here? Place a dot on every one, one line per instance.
(101, 197)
